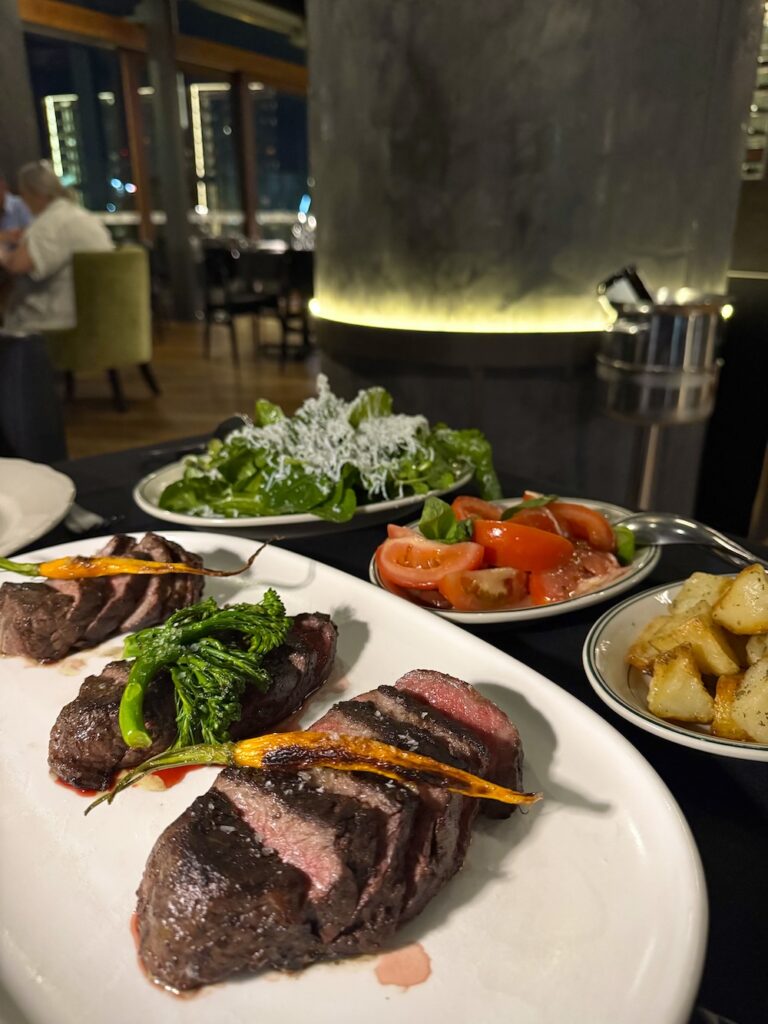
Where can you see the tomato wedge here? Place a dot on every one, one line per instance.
(584, 523)
(467, 507)
(516, 546)
(393, 530)
(541, 518)
(570, 578)
(420, 565)
(557, 584)
(482, 590)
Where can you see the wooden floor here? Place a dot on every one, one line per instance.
(197, 393)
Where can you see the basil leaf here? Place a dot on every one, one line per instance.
(625, 544)
(540, 502)
(473, 447)
(372, 402)
(267, 412)
(438, 522)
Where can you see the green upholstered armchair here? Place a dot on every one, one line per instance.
(114, 326)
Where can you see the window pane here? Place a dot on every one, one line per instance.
(211, 157)
(81, 121)
(280, 125)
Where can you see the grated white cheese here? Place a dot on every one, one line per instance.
(321, 438)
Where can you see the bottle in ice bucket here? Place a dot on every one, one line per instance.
(624, 288)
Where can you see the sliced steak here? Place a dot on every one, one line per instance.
(163, 594)
(382, 899)
(214, 901)
(461, 702)
(297, 669)
(354, 855)
(35, 622)
(331, 838)
(88, 596)
(442, 825)
(45, 621)
(122, 593)
(464, 745)
(85, 747)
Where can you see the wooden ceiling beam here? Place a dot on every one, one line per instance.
(93, 26)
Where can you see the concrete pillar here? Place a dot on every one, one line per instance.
(19, 141)
(480, 166)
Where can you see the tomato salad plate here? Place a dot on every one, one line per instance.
(555, 916)
(511, 560)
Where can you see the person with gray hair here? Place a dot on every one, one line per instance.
(14, 215)
(43, 296)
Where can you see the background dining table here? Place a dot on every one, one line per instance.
(724, 799)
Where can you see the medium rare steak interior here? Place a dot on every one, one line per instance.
(284, 869)
(86, 747)
(46, 621)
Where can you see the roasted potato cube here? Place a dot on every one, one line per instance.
(643, 653)
(757, 648)
(707, 641)
(743, 608)
(676, 689)
(749, 709)
(700, 587)
(723, 723)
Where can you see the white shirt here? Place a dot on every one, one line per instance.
(45, 298)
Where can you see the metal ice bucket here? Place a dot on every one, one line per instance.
(658, 363)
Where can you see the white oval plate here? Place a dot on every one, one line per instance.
(33, 499)
(643, 564)
(590, 908)
(147, 493)
(625, 689)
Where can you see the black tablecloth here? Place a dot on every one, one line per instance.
(725, 800)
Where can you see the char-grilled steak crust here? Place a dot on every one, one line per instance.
(46, 621)
(86, 747)
(296, 669)
(34, 621)
(341, 893)
(209, 888)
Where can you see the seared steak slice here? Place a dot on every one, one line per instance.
(297, 668)
(331, 838)
(381, 901)
(35, 621)
(85, 747)
(461, 702)
(464, 745)
(87, 598)
(442, 826)
(121, 595)
(163, 594)
(317, 630)
(215, 901)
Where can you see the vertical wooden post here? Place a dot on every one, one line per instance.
(160, 20)
(246, 153)
(134, 123)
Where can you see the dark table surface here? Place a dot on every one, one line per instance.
(724, 799)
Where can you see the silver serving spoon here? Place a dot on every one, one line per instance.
(666, 528)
